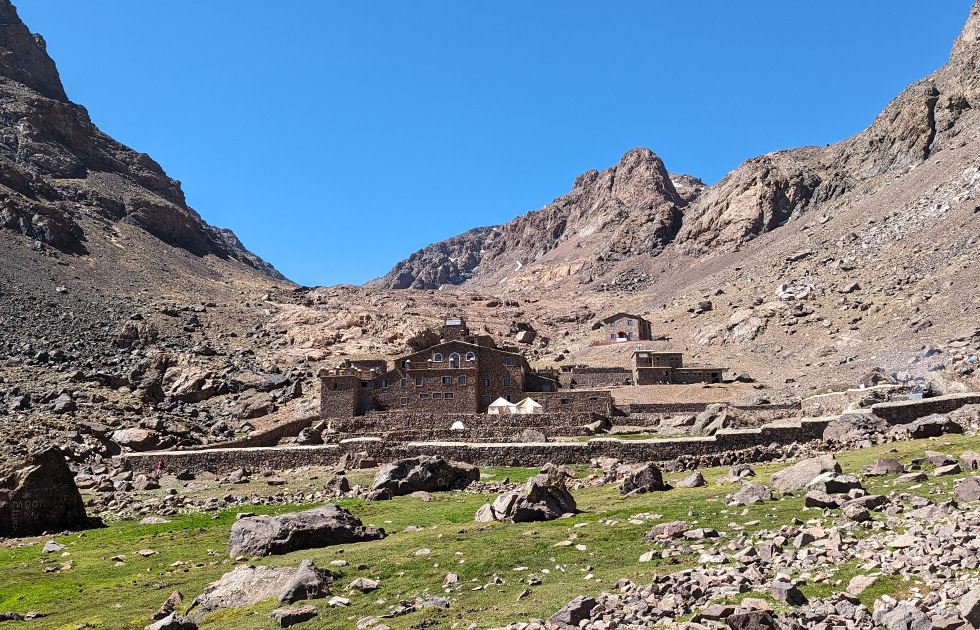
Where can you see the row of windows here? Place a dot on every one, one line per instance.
(629, 322)
(447, 395)
(628, 335)
(446, 380)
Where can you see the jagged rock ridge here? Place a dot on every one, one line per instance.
(624, 212)
(632, 208)
(57, 167)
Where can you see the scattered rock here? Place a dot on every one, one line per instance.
(293, 615)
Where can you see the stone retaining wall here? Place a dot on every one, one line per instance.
(270, 436)
(836, 403)
(437, 426)
(220, 461)
(679, 408)
(905, 411)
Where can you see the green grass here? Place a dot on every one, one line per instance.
(98, 593)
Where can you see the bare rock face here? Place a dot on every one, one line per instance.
(321, 527)
(543, 498)
(426, 474)
(633, 206)
(55, 164)
(38, 494)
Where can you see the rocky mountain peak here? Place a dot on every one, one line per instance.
(968, 43)
(24, 57)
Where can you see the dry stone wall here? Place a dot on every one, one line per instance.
(905, 411)
(221, 461)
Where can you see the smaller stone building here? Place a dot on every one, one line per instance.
(667, 368)
(623, 327)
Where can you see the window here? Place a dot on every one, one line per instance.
(462, 380)
(404, 401)
(418, 381)
(366, 383)
(404, 382)
(405, 363)
(449, 395)
(486, 382)
(612, 324)
(629, 336)
(546, 388)
(384, 383)
(507, 398)
(454, 358)
(629, 322)
(564, 401)
(510, 360)
(437, 395)
(470, 356)
(423, 395)
(437, 357)
(612, 336)
(486, 400)
(446, 380)
(506, 382)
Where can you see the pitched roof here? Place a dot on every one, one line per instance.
(620, 316)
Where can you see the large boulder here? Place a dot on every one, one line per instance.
(543, 498)
(134, 438)
(646, 478)
(573, 613)
(968, 489)
(425, 474)
(852, 427)
(800, 474)
(716, 416)
(321, 527)
(38, 494)
(245, 586)
(930, 426)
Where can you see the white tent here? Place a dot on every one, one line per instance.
(529, 406)
(457, 426)
(502, 407)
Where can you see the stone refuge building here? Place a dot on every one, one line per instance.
(667, 368)
(461, 374)
(623, 327)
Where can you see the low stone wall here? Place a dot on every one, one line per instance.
(611, 377)
(220, 461)
(905, 411)
(437, 426)
(270, 436)
(679, 408)
(836, 403)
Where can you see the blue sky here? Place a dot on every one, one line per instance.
(337, 138)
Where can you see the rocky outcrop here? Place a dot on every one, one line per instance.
(321, 527)
(38, 494)
(424, 474)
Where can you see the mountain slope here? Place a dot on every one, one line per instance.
(615, 218)
(56, 166)
(629, 209)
